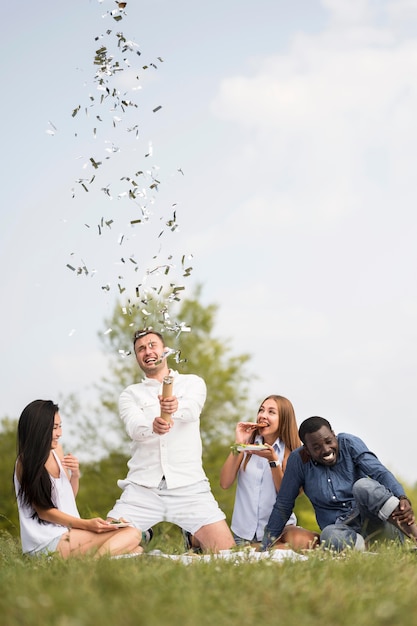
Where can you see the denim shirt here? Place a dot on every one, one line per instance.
(329, 488)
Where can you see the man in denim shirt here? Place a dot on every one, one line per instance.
(354, 496)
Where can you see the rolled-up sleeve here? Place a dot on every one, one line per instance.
(370, 465)
(191, 399)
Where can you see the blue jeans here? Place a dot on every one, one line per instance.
(242, 542)
(368, 521)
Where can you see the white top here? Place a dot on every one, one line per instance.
(255, 495)
(175, 455)
(35, 536)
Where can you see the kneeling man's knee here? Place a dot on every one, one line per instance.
(338, 538)
(360, 487)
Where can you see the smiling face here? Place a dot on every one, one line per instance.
(322, 446)
(56, 431)
(149, 351)
(268, 415)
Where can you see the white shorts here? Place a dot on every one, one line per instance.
(190, 507)
(50, 547)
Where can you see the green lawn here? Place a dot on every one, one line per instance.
(354, 589)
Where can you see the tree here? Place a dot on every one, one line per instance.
(198, 353)
(9, 519)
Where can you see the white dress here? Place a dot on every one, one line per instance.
(36, 536)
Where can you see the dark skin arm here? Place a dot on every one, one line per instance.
(404, 513)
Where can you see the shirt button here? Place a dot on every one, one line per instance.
(334, 497)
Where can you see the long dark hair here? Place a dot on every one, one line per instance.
(34, 439)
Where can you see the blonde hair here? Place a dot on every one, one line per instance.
(287, 430)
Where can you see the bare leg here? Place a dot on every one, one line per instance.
(120, 541)
(215, 537)
(298, 538)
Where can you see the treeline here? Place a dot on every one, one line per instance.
(98, 487)
(198, 351)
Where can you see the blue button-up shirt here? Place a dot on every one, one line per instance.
(329, 488)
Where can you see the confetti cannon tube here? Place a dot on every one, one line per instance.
(167, 384)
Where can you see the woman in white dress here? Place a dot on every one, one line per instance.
(46, 484)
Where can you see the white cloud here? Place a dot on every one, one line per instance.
(328, 127)
(351, 11)
(402, 10)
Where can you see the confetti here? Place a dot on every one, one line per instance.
(52, 130)
(112, 119)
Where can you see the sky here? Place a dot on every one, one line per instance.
(282, 135)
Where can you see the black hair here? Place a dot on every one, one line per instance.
(312, 425)
(34, 439)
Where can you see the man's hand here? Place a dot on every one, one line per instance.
(404, 514)
(161, 426)
(168, 405)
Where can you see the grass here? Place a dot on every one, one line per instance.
(354, 588)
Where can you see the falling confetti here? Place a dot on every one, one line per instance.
(113, 120)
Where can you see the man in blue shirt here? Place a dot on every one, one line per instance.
(354, 496)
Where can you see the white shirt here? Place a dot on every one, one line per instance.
(175, 455)
(255, 495)
(35, 536)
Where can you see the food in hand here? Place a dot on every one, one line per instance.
(247, 447)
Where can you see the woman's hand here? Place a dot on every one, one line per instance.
(269, 454)
(71, 463)
(244, 431)
(99, 525)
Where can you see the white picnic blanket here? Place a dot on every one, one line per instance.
(247, 555)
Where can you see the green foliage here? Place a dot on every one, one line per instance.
(305, 513)
(9, 519)
(98, 488)
(213, 459)
(200, 353)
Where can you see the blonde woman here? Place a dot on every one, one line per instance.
(259, 474)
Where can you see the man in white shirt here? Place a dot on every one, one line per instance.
(166, 480)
